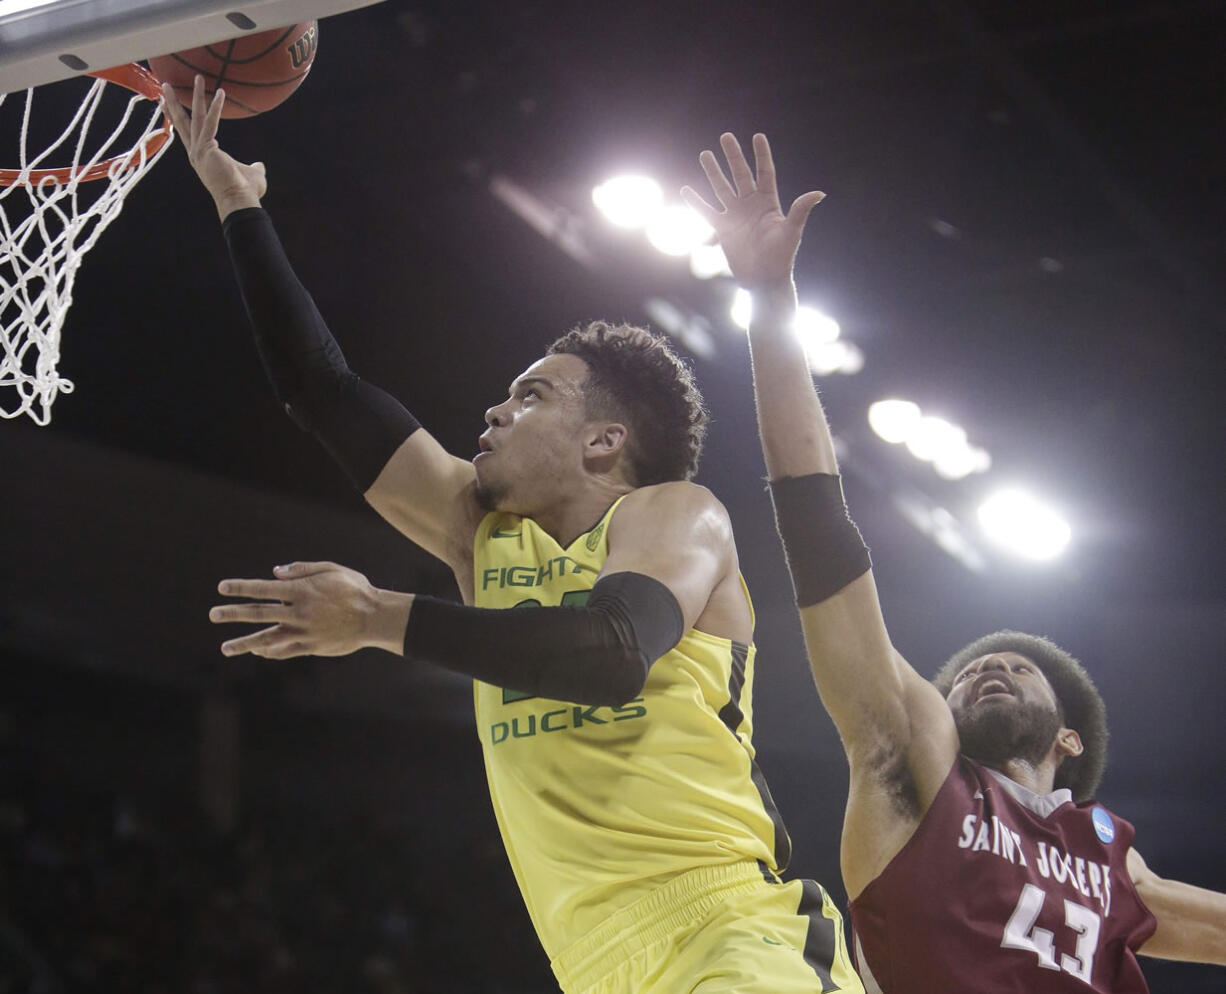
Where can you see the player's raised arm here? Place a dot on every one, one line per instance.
(405, 474)
(850, 653)
(875, 699)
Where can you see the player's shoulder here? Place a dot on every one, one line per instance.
(674, 513)
(679, 497)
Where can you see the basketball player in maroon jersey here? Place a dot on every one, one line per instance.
(972, 852)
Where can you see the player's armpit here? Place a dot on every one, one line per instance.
(896, 729)
(430, 496)
(888, 716)
(679, 534)
(1191, 920)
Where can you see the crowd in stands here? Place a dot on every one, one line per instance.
(100, 893)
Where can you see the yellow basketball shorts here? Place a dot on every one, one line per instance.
(717, 930)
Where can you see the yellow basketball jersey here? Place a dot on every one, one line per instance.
(598, 805)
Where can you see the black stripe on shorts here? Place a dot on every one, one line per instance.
(821, 941)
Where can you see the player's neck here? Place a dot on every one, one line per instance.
(1038, 778)
(573, 514)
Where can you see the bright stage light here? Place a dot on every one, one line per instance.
(954, 464)
(709, 261)
(893, 420)
(629, 201)
(814, 328)
(931, 438)
(827, 358)
(678, 230)
(741, 311)
(1023, 525)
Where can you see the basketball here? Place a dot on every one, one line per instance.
(257, 71)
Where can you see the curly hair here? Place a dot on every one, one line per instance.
(1081, 706)
(636, 378)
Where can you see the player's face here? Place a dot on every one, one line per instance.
(532, 448)
(1004, 709)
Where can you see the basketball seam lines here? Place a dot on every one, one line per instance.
(229, 57)
(227, 60)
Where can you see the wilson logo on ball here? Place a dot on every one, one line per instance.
(302, 51)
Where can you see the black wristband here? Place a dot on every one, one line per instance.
(596, 654)
(824, 548)
(360, 425)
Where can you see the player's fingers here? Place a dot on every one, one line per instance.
(212, 119)
(293, 571)
(258, 643)
(737, 165)
(261, 613)
(720, 186)
(175, 111)
(198, 108)
(696, 203)
(798, 213)
(286, 649)
(764, 165)
(263, 590)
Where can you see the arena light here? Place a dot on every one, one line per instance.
(932, 437)
(827, 358)
(814, 328)
(957, 463)
(1023, 525)
(894, 419)
(741, 310)
(678, 230)
(708, 262)
(628, 201)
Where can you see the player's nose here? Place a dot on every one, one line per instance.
(993, 662)
(496, 416)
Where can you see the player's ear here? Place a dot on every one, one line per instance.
(607, 439)
(1068, 743)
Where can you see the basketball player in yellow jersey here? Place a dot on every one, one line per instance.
(615, 711)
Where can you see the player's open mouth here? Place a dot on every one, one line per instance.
(988, 686)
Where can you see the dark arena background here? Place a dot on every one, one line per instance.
(1022, 234)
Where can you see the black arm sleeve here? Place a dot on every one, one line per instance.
(596, 654)
(360, 425)
(824, 549)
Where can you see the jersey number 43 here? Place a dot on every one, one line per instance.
(1022, 933)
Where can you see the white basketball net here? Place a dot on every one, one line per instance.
(47, 224)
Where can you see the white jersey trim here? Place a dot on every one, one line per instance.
(1041, 804)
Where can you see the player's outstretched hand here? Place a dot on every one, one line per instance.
(758, 239)
(232, 184)
(312, 609)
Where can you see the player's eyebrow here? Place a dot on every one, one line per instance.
(525, 381)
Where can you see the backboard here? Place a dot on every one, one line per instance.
(42, 41)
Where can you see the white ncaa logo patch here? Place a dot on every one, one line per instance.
(1104, 827)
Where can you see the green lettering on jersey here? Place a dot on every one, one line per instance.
(565, 719)
(529, 576)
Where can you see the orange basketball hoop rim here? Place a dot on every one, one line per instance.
(134, 77)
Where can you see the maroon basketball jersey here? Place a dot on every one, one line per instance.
(1000, 890)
